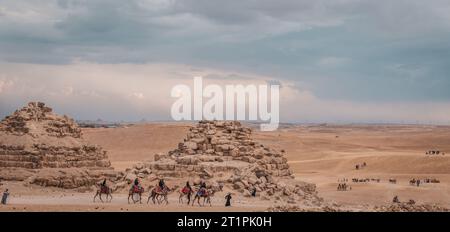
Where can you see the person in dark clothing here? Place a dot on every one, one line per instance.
(188, 186)
(202, 190)
(396, 200)
(5, 196)
(188, 189)
(228, 200)
(254, 192)
(104, 182)
(136, 184)
(161, 183)
(103, 187)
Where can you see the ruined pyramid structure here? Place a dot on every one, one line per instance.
(223, 153)
(48, 149)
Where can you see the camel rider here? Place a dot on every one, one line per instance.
(136, 185)
(202, 191)
(161, 184)
(103, 185)
(187, 188)
(203, 185)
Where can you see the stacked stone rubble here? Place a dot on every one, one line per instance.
(405, 207)
(21, 121)
(35, 138)
(222, 142)
(224, 152)
(45, 156)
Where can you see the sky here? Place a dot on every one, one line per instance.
(339, 61)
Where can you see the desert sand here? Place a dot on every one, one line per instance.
(319, 154)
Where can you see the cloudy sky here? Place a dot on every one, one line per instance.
(337, 60)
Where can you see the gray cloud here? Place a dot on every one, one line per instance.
(91, 91)
(350, 50)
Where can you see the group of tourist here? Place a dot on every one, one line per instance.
(434, 152)
(136, 187)
(356, 180)
(417, 182)
(187, 189)
(360, 166)
(414, 181)
(343, 187)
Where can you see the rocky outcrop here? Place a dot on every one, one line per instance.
(35, 138)
(408, 207)
(396, 207)
(224, 154)
(296, 208)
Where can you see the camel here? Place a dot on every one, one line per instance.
(159, 195)
(103, 190)
(135, 194)
(185, 193)
(435, 181)
(206, 196)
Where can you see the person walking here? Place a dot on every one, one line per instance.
(5, 196)
(254, 192)
(228, 200)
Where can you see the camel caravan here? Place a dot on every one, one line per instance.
(418, 182)
(158, 194)
(434, 152)
(342, 186)
(365, 180)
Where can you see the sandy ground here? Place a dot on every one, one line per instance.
(38, 199)
(317, 154)
(325, 154)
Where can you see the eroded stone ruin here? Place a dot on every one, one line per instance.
(224, 154)
(44, 148)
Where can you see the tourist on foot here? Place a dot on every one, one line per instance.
(254, 192)
(5, 197)
(228, 200)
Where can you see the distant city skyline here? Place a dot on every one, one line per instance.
(344, 61)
